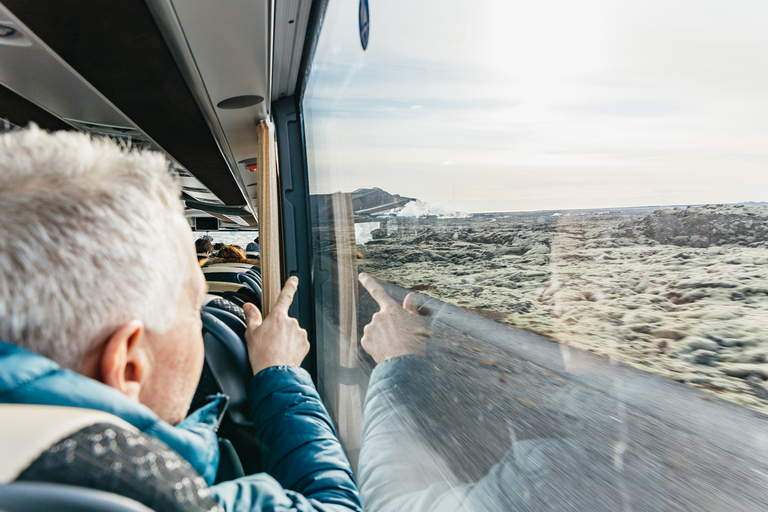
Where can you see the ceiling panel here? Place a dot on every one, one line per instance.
(116, 47)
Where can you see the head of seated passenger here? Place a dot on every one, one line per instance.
(204, 248)
(101, 276)
(230, 254)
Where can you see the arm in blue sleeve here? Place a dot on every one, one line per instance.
(300, 449)
(262, 493)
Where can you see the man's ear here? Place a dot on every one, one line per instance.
(125, 362)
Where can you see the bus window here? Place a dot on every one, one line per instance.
(577, 191)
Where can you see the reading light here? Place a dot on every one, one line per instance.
(236, 102)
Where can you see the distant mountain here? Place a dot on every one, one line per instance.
(365, 202)
(368, 200)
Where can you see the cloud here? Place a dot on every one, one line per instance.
(581, 107)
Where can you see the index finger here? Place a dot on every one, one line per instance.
(285, 298)
(377, 292)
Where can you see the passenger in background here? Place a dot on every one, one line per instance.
(230, 254)
(204, 248)
(252, 249)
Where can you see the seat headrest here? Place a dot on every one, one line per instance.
(28, 430)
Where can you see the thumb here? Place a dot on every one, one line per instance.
(411, 303)
(252, 315)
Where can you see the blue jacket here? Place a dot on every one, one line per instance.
(305, 466)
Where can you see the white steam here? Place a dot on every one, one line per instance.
(422, 209)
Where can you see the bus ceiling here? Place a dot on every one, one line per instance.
(189, 78)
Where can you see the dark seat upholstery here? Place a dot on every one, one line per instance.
(228, 306)
(227, 370)
(231, 320)
(242, 296)
(44, 497)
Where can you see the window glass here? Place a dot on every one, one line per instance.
(577, 191)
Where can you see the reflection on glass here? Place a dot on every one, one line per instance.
(680, 292)
(574, 189)
(496, 419)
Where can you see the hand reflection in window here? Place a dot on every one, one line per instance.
(400, 467)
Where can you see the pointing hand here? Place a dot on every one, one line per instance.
(394, 330)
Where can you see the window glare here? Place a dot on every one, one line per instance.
(606, 103)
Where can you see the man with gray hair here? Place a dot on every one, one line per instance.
(100, 311)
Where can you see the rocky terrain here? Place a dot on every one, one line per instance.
(679, 292)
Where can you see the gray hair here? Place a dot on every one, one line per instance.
(90, 240)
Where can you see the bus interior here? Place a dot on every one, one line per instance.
(573, 189)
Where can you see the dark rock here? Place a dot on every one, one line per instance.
(698, 227)
(378, 234)
(641, 328)
(743, 371)
(697, 343)
(411, 257)
(522, 307)
(687, 297)
(704, 356)
(669, 334)
(754, 356)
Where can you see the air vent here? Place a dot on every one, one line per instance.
(126, 134)
(195, 189)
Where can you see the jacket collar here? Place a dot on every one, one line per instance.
(28, 378)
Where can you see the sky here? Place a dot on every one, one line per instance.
(496, 105)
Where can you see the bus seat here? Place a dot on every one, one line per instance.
(242, 296)
(243, 278)
(43, 497)
(219, 287)
(215, 301)
(227, 358)
(228, 266)
(250, 282)
(35, 430)
(223, 313)
(236, 268)
(235, 293)
(227, 370)
(208, 297)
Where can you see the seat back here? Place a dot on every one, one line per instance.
(217, 267)
(25, 434)
(248, 278)
(222, 309)
(219, 287)
(227, 358)
(44, 497)
(32, 429)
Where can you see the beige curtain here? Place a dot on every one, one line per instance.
(267, 194)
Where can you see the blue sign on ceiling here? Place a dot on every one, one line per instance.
(364, 23)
